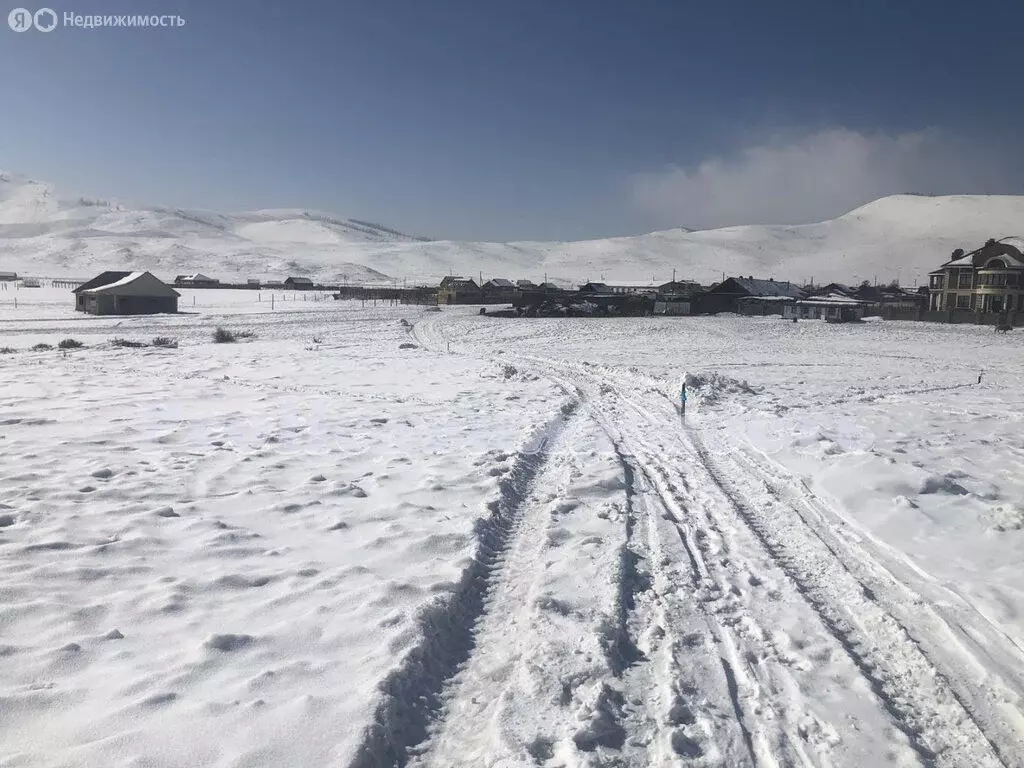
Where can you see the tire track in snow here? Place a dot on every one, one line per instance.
(924, 702)
(700, 717)
(662, 649)
(411, 694)
(988, 701)
(918, 695)
(943, 725)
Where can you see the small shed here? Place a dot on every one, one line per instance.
(8, 277)
(834, 308)
(126, 293)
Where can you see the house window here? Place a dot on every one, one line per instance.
(937, 281)
(966, 280)
(963, 301)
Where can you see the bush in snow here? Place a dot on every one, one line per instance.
(712, 386)
(247, 334)
(7, 351)
(165, 341)
(223, 336)
(128, 343)
(41, 348)
(70, 344)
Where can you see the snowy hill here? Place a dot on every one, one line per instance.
(902, 236)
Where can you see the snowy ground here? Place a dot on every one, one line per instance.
(502, 546)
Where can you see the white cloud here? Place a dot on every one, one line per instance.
(817, 177)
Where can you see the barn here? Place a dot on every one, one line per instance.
(126, 293)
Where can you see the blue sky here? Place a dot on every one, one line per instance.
(533, 119)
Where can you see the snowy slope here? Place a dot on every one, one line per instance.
(902, 236)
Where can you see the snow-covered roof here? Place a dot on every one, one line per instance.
(832, 300)
(144, 283)
(1014, 242)
(501, 282)
(967, 260)
(764, 288)
(131, 277)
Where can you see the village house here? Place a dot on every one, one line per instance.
(126, 293)
(498, 290)
(198, 280)
(298, 283)
(525, 285)
(726, 296)
(8, 277)
(646, 288)
(833, 308)
(459, 290)
(987, 280)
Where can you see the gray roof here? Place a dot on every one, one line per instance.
(104, 278)
(501, 282)
(755, 287)
(131, 284)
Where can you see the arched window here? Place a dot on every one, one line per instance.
(996, 263)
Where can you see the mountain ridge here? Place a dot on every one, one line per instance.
(900, 236)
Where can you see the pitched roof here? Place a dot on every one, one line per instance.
(104, 278)
(500, 282)
(299, 280)
(832, 299)
(145, 282)
(754, 287)
(1009, 248)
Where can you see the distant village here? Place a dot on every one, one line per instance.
(983, 286)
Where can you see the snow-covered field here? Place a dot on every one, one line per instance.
(901, 237)
(500, 545)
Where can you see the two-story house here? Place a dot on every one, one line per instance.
(990, 279)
